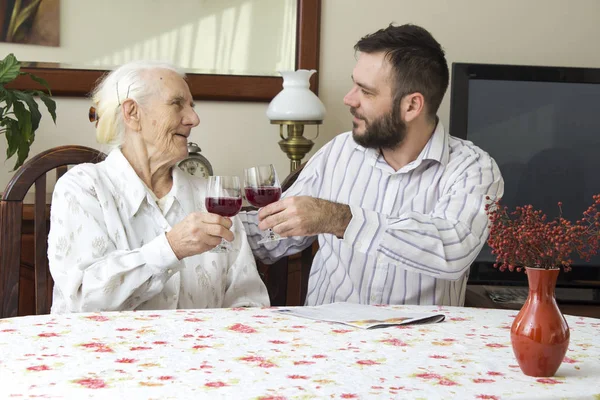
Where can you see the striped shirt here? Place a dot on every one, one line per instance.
(413, 233)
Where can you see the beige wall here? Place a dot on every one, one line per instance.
(233, 135)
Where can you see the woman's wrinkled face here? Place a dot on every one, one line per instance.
(168, 117)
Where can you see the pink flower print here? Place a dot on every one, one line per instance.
(569, 360)
(298, 377)
(48, 334)
(277, 341)
(252, 359)
(548, 381)
(394, 342)
(166, 378)
(193, 320)
(349, 396)
(272, 398)
(458, 319)
(483, 380)
(267, 364)
(126, 360)
(8, 330)
(92, 383)
(494, 373)
(160, 342)
(241, 328)
(487, 396)
(319, 356)
(303, 362)
(98, 318)
(428, 376)
(99, 347)
(201, 346)
(447, 382)
(204, 336)
(438, 356)
(341, 330)
(216, 384)
(188, 335)
(140, 348)
(124, 329)
(496, 345)
(367, 362)
(39, 368)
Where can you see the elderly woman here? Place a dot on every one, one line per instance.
(132, 232)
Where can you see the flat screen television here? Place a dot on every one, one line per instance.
(542, 126)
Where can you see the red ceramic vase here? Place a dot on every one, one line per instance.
(539, 333)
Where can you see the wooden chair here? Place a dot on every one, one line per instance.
(287, 279)
(33, 172)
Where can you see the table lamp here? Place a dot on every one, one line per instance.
(296, 106)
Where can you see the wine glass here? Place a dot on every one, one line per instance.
(262, 187)
(224, 197)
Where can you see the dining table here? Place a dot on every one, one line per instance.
(262, 353)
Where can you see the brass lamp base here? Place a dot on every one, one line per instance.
(295, 145)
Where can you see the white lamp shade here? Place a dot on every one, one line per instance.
(296, 102)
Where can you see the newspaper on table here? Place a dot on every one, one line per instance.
(361, 315)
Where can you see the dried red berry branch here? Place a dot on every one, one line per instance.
(526, 238)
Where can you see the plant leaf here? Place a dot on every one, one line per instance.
(33, 108)
(39, 80)
(24, 118)
(9, 98)
(50, 104)
(12, 137)
(22, 154)
(9, 68)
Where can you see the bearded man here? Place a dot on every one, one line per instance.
(397, 204)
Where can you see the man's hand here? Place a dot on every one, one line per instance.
(305, 216)
(197, 233)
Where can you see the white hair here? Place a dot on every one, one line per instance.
(126, 82)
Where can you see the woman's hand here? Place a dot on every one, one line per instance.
(197, 233)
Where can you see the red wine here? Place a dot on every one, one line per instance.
(262, 195)
(224, 206)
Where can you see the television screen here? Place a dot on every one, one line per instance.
(545, 137)
(542, 126)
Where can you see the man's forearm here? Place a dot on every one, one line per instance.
(336, 218)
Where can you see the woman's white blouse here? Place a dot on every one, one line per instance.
(108, 250)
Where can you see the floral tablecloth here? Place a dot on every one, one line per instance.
(261, 354)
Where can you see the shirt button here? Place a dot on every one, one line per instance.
(169, 271)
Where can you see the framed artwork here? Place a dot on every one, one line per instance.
(30, 22)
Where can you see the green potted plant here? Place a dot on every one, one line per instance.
(19, 112)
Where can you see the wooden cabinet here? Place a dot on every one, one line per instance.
(477, 296)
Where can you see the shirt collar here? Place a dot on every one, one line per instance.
(132, 191)
(436, 149)
(130, 188)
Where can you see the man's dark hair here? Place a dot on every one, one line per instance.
(417, 59)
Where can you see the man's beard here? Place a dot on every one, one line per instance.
(385, 132)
